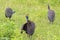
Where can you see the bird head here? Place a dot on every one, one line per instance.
(13, 11)
(27, 18)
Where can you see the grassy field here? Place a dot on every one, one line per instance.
(37, 10)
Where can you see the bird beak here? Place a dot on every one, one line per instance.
(13, 11)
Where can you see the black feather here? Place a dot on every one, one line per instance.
(29, 27)
(9, 12)
(51, 15)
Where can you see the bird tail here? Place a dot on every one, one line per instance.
(48, 7)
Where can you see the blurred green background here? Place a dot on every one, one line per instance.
(37, 10)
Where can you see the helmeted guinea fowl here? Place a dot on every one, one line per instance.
(28, 27)
(9, 12)
(51, 14)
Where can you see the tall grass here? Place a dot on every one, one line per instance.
(37, 10)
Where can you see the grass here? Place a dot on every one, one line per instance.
(37, 10)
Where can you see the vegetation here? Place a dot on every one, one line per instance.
(37, 10)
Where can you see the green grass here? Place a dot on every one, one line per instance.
(37, 10)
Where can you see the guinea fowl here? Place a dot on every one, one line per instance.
(9, 12)
(28, 27)
(51, 14)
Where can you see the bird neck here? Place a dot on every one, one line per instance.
(27, 18)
